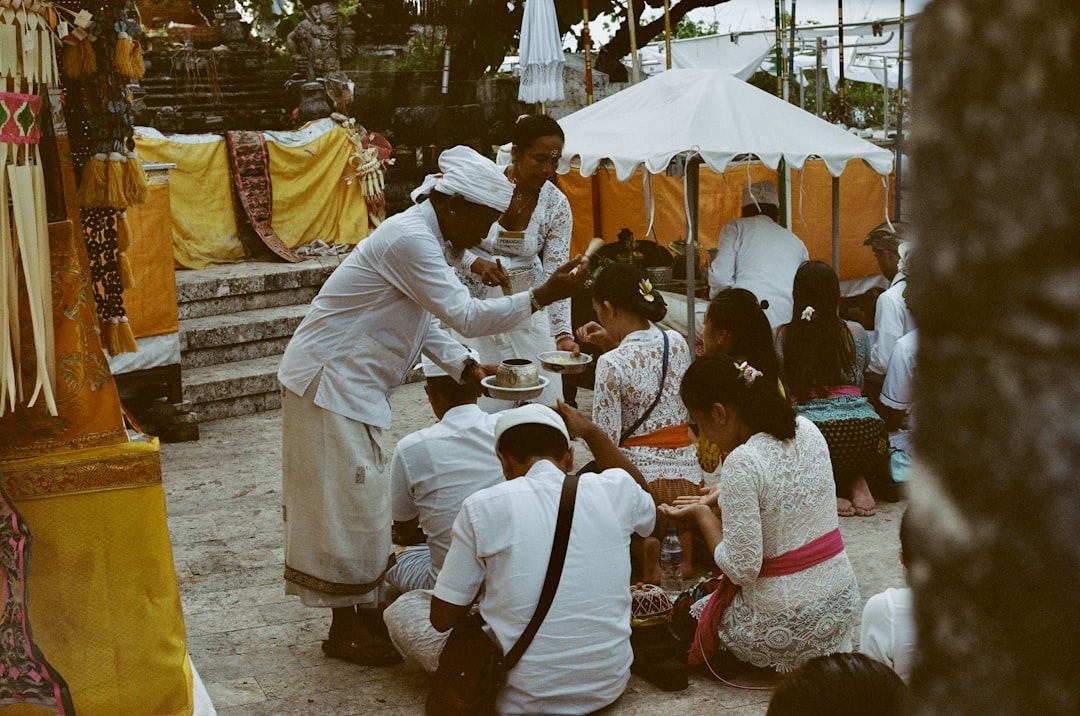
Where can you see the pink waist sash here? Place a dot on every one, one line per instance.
(706, 637)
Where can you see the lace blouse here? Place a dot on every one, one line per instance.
(627, 380)
(546, 247)
(777, 496)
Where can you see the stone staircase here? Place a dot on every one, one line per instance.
(235, 322)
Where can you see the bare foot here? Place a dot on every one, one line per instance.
(844, 508)
(861, 499)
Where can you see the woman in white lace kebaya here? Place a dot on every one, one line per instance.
(628, 381)
(788, 592)
(533, 235)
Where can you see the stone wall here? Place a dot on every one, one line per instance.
(995, 289)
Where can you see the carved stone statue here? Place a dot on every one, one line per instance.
(318, 43)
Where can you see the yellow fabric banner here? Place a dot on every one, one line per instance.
(311, 201)
(151, 302)
(622, 204)
(203, 216)
(103, 599)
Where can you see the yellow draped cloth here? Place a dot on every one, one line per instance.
(310, 199)
(103, 601)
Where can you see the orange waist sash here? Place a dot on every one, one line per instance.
(676, 436)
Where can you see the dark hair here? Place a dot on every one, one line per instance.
(770, 210)
(533, 126)
(885, 237)
(840, 685)
(715, 379)
(620, 285)
(452, 391)
(738, 312)
(819, 353)
(531, 440)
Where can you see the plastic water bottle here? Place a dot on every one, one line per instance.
(671, 580)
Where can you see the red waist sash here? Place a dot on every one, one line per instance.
(706, 637)
(676, 436)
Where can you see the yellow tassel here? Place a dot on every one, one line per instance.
(123, 233)
(114, 181)
(127, 277)
(112, 337)
(80, 60)
(92, 187)
(137, 65)
(122, 54)
(135, 188)
(125, 337)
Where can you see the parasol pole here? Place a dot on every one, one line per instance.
(631, 23)
(818, 89)
(791, 54)
(587, 41)
(667, 32)
(836, 224)
(691, 187)
(840, 81)
(899, 116)
(779, 52)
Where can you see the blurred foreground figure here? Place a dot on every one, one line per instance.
(995, 291)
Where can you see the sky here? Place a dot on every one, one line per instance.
(741, 15)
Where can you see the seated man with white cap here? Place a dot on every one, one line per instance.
(432, 472)
(579, 660)
(756, 253)
(374, 316)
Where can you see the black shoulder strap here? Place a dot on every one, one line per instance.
(648, 411)
(554, 570)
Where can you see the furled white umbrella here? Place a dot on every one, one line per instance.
(541, 53)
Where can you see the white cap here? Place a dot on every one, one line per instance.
(434, 370)
(531, 414)
(762, 192)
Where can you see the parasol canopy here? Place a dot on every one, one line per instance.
(541, 54)
(711, 114)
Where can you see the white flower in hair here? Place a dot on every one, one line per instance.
(748, 372)
(808, 313)
(645, 289)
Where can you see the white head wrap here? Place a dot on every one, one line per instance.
(471, 175)
(904, 249)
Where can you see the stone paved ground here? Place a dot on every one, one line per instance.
(258, 651)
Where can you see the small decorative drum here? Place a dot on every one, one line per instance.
(649, 605)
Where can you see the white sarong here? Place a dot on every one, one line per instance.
(335, 505)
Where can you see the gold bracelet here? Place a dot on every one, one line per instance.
(535, 304)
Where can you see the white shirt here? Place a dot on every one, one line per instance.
(892, 319)
(379, 310)
(579, 660)
(888, 630)
(434, 469)
(761, 256)
(897, 390)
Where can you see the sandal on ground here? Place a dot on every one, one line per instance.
(363, 650)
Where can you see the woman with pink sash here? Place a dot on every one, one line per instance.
(788, 592)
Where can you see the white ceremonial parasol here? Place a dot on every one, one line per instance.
(541, 53)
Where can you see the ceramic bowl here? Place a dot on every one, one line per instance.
(517, 373)
(516, 394)
(564, 362)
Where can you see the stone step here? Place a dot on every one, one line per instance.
(233, 337)
(249, 286)
(239, 388)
